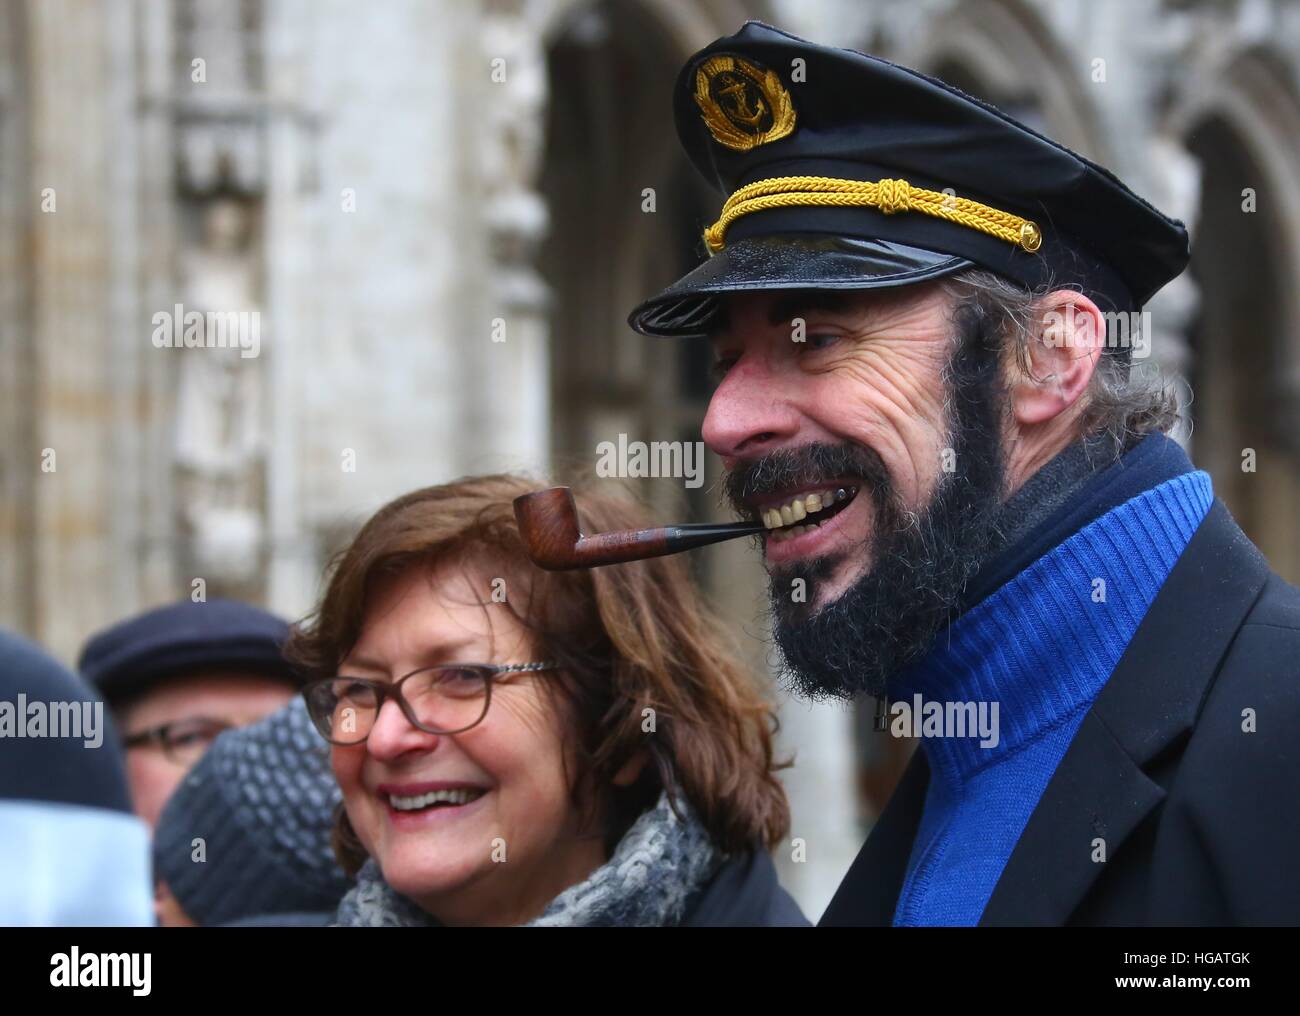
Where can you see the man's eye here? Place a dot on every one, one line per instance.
(822, 340)
(189, 738)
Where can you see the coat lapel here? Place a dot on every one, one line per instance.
(1100, 789)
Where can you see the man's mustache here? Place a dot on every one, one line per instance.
(811, 465)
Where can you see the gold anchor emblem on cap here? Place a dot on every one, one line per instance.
(743, 105)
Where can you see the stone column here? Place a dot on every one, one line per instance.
(291, 566)
(70, 453)
(18, 471)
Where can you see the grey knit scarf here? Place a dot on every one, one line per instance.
(657, 866)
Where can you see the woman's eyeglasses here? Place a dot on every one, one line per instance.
(448, 699)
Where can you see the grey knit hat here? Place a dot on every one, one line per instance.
(247, 833)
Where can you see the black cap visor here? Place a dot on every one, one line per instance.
(689, 306)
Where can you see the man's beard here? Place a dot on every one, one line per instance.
(920, 561)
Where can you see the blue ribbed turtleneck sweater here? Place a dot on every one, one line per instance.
(1042, 646)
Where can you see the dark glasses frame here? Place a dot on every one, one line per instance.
(166, 736)
(385, 690)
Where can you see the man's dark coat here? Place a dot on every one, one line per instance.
(1199, 816)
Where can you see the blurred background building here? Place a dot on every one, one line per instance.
(441, 212)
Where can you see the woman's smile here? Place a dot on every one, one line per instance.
(419, 805)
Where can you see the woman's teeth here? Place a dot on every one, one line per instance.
(798, 509)
(433, 797)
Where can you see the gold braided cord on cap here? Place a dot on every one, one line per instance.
(889, 196)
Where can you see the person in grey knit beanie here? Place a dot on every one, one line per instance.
(245, 839)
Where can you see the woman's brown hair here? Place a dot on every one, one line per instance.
(628, 638)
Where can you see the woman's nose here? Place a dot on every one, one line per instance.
(393, 734)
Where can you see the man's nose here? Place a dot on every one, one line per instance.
(393, 734)
(750, 413)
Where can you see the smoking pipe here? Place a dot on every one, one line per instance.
(548, 522)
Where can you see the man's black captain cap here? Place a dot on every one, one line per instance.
(844, 171)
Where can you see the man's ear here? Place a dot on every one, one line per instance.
(1067, 343)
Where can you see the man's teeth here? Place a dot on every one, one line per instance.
(433, 797)
(799, 509)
